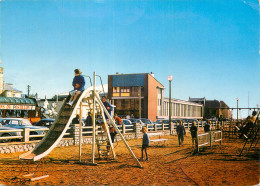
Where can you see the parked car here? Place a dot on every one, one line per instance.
(7, 134)
(134, 121)
(21, 123)
(128, 124)
(142, 121)
(161, 121)
(45, 123)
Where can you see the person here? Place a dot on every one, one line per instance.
(145, 143)
(118, 120)
(89, 119)
(207, 126)
(254, 116)
(75, 120)
(132, 116)
(79, 86)
(127, 116)
(107, 105)
(113, 133)
(180, 132)
(193, 132)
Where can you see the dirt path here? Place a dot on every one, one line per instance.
(170, 165)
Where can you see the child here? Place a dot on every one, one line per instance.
(145, 144)
(113, 133)
(78, 84)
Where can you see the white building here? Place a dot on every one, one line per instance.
(7, 89)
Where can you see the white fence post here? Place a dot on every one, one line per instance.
(26, 134)
(123, 127)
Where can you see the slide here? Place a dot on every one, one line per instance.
(56, 132)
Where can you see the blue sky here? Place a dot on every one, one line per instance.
(210, 47)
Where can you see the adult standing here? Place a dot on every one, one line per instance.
(207, 126)
(180, 132)
(89, 119)
(79, 85)
(193, 132)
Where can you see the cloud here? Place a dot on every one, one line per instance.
(252, 4)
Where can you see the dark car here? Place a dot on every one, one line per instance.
(45, 123)
(128, 124)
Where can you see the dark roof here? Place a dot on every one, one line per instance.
(197, 99)
(212, 104)
(135, 79)
(223, 104)
(14, 101)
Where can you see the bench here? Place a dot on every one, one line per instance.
(158, 141)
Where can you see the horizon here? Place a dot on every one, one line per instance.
(210, 48)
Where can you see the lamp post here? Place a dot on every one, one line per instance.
(170, 98)
(237, 109)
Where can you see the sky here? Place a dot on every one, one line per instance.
(210, 47)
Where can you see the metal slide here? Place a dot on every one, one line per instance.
(56, 132)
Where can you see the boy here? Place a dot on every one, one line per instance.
(145, 144)
(78, 84)
(118, 120)
(113, 133)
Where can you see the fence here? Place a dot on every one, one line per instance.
(27, 134)
(209, 138)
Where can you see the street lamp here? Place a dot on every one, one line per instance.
(237, 109)
(170, 98)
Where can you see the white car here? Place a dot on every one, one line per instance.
(21, 123)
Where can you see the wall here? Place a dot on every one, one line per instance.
(152, 97)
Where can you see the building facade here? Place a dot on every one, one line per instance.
(213, 108)
(7, 89)
(181, 109)
(142, 96)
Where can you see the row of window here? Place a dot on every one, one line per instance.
(182, 110)
(127, 91)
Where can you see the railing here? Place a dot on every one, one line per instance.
(26, 135)
(209, 138)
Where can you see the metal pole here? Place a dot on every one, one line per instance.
(93, 120)
(237, 109)
(170, 99)
(140, 100)
(80, 130)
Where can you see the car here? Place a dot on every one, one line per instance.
(128, 124)
(45, 123)
(143, 122)
(21, 123)
(161, 121)
(7, 134)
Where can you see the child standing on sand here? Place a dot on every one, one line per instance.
(145, 144)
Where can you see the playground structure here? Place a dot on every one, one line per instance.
(91, 101)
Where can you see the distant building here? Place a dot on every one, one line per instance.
(213, 108)
(7, 89)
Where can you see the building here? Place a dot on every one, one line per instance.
(142, 95)
(137, 94)
(213, 108)
(181, 109)
(7, 89)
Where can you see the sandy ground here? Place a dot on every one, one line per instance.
(169, 165)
